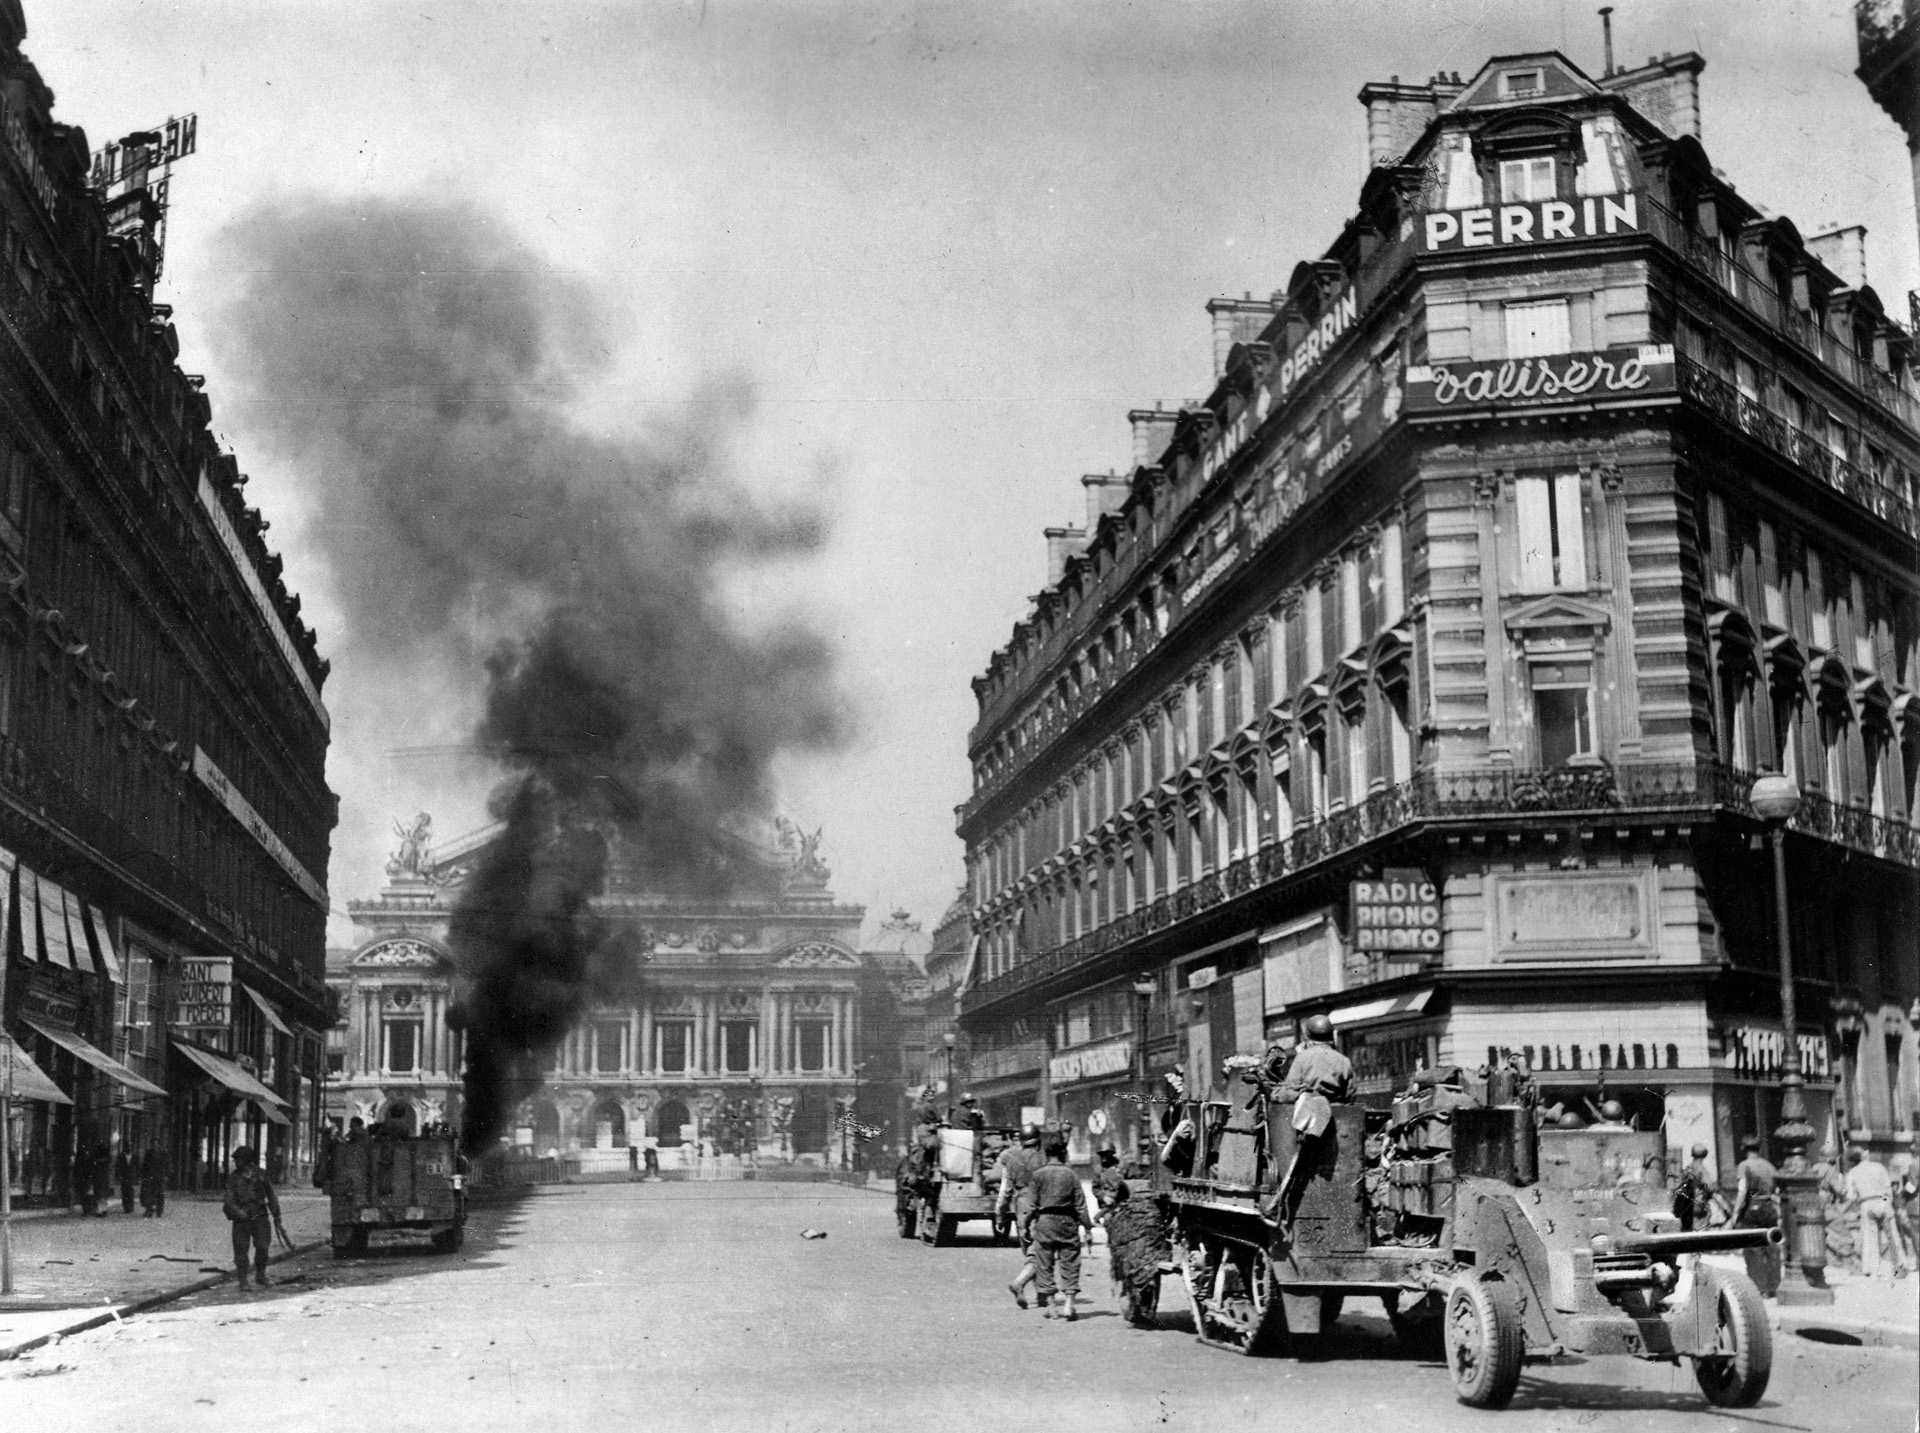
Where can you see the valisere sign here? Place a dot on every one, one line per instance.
(1640, 371)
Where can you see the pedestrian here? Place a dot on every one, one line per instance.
(253, 1210)
(1906, 1193)
(1756, 1205)
(153, 1181)
(1870, 1190)
(356, 1130)
(1109, 1185)
(1830, 1183)
(1015, 1201)
(123, 1176)
(1695, 1197)
(652, 1157)
(87, 1184)
(60, 1174)
(1059, 1222)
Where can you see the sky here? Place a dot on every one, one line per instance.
(947, 246)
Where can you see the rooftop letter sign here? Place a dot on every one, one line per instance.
(1541, 222)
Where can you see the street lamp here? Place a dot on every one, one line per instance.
(1143, 988)
(1775, 800)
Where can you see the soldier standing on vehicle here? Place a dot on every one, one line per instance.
(1018, 1165)
(1319, 1078)
(1058, 1221)
(1756, 1205)
(253, 1209)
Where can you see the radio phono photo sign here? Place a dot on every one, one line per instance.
(1400, 911)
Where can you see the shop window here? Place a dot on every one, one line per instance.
(1562, 711)
(737, 1041)
(1553, 543)
(1538, 329)
(812, 1035)
(675, 1039)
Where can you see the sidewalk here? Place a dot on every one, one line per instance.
(70, 1272)
(1881, 1313)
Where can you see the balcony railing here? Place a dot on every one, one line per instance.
(1829, 469)
(1701, 787)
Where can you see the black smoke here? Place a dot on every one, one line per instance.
(413, 367)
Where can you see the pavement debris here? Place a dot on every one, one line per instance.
(813, 1233)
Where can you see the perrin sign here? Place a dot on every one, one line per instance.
(1401, 911)
(1539, 222)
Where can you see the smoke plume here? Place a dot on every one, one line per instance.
(410, 366)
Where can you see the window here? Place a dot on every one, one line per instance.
(138, 997)
(1537, 328)
(1521, 84)
(1563, 711)
(336, 1062)
(1553, 543)
(609, 1039)
(812, 1036)
(675, 1038)
(1524, 180)
(1773, 602)
(737, 1040)
(403, 1046)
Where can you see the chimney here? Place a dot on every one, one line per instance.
(1845, 252)
(1105, 493)
(1062, 543)
(1152, 431)
(1236, 321)
(1397, 115)
(1665, 90)
(1606, 36)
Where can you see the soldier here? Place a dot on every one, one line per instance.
(1756, 1205)
(970, 1114)
(1058, 1222)
(1319, 1077)
(253, 1210)
(1109, 1185)
(1695, 1197)
(1017, 1168)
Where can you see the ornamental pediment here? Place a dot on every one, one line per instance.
(398, 954)
(817, 955)
(1558, 615)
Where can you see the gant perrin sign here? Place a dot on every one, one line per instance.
(1542, 221)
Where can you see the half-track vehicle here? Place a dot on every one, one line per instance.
(383, 1186)
(1482, 1236)
(956, 1182)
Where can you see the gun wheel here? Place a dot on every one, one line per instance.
(1735, 1374)
(1484, 1341)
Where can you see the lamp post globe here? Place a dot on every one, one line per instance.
(1774, 798)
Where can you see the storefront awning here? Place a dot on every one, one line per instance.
(266, 1009)
(99, 1059)
(30, 1082)
(225, 1072)
(273, 1116)
(1409, 1003)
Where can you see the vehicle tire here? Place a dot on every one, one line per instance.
(905, 1219)
(1736, 1374)
(943, 1230)
(354, 1248)
(1484, 1341)
(1330, 1306)
(1417, 1326)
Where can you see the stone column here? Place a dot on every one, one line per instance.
(643, 1062)
(636, 1061)
(763, 1057)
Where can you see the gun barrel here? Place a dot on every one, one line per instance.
(1699, 1241)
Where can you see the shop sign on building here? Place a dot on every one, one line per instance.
(1400, 911)
(1501, 226)
(202, 996)
(1629, 372)
(1385, 1058)
(1757, 1051)
(1114, 1057)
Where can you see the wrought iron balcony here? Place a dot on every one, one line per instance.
(1697, 788)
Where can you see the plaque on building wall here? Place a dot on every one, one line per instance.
(202, 996)
(1584, 913)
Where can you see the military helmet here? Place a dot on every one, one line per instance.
(1030, 1135)
(1319, 1028)
(1570, 1119)
(1612, 1111)
(1699, 1151)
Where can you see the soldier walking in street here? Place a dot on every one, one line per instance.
(1756, 1205)
(1060, 1221)
(1017, 1168)
(254, 1210)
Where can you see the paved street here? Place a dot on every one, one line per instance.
(700, 1306)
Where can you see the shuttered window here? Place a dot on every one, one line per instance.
(1553, 543)
(1537, 329)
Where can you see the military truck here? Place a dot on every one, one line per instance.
(385, 1186)
(1483, 1237)
(956, 1183)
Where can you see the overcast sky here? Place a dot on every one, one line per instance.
(951, 243)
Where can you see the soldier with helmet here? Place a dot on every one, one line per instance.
(1319, 1077)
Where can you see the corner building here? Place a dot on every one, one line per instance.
(1418, 676)
(164, 813)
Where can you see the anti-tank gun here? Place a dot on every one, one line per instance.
(1483, 1236)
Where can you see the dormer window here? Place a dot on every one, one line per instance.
(1526, 180)
(1522, 84)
